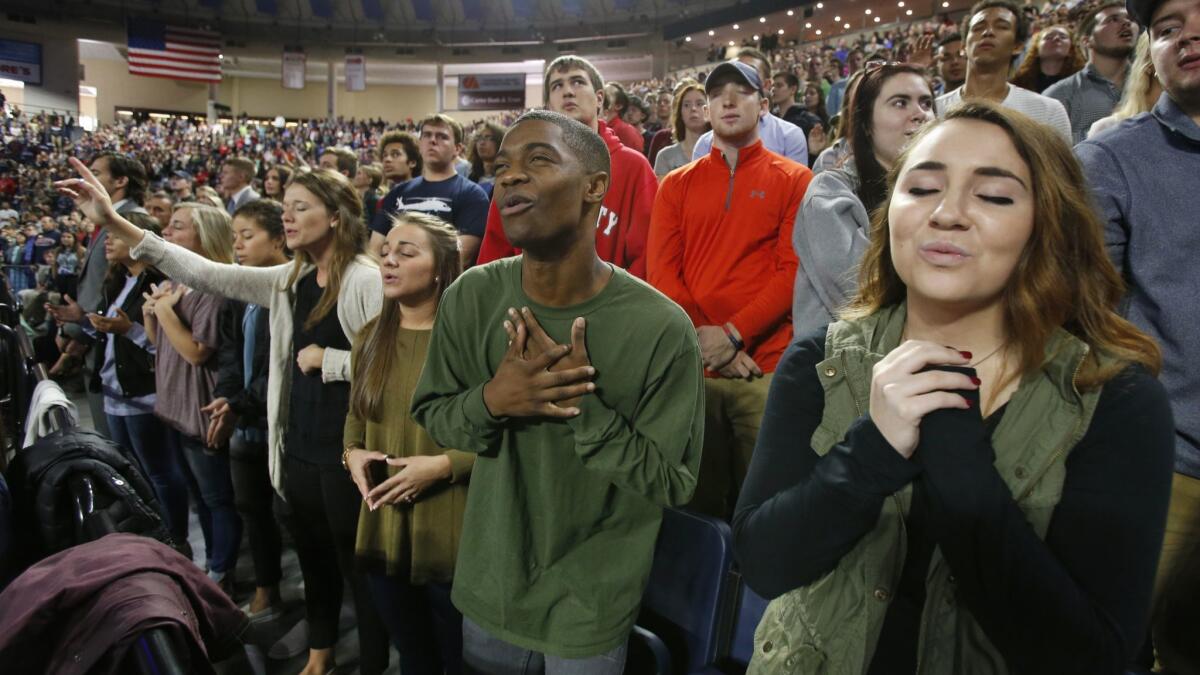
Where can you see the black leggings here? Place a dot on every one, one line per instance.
(324, 506)
(255, 498)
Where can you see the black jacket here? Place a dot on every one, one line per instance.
(248, 403)
(135, 365)
(41, 477)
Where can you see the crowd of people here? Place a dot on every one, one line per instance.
(911, 313)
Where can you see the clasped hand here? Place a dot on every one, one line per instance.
(903, 392)
(538, 377)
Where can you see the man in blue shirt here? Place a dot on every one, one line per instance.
(1144, 176)
(833, 102)
(439, 190)
(780, 137)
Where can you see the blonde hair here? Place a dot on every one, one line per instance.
(214, 228)
(1063, 279)
(374, 353)
(206, 194)
(1136, 98)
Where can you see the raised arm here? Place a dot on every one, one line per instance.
(248, 284)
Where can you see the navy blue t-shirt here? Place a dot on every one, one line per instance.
(455, 200)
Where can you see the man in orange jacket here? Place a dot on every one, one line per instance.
(575, 88)
(721, 246)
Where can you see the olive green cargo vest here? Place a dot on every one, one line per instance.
(831, 626)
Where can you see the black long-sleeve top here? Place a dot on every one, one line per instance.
(1077, 602)
(248, 403)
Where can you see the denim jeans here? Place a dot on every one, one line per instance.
(485, 654)
(208, 478)
(425, 627)
(145, 435)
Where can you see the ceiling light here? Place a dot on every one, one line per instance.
(736, 27)
(687, 39)
(868, 12)
(908, 12)
(837, 18)
(712, 33)
(762, 19)
(818, 31)
(820, 5)
(781, 31)
(900, 4)
(846, 26)
(945, 4)
(731, 43)
(808, 25)
(791, 13)
(876, 19)
(754, 37)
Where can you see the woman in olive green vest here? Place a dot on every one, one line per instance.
(414, 492)
(969, 472)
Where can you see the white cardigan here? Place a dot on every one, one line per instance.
(359, 301)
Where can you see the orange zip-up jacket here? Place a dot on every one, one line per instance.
(721, 245)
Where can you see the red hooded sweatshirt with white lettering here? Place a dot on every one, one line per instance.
(624, 214)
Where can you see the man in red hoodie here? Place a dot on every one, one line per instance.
(575, 88)
(721, 246)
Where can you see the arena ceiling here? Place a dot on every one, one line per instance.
(443, 23)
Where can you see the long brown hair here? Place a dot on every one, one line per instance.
(1063, 279)
(678, 128)
(872, 187)
(1027, 75)
(338, 195)
(374, 353)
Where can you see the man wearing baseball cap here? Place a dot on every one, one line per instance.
(779, 136)
(181, 186)
(734, 209)
(1144, 176)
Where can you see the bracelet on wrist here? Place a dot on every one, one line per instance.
(738, 344)
(346, 455)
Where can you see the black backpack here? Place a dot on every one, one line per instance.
(75, 485)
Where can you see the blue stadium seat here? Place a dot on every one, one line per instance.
(748, 609)
(681, 610)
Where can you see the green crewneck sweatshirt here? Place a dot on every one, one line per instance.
(562, 515)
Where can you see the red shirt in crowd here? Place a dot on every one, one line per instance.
(628, 135)
(624, 214)
(721, 245)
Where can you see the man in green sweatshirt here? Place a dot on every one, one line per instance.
(581, 388)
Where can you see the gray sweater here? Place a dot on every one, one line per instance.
(1145, 179)
(830, 237)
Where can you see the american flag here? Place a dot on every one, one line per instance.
(159, 50)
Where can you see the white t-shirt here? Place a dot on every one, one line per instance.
(1039, 108)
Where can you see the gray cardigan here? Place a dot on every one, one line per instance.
(830, 237)
(359, 301)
